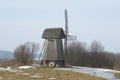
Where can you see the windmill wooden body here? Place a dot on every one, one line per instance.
(53, 50)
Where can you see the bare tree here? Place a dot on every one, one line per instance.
(76, 53)
(96, 50)
(94, 57)
(117, 61)
(25, 53)
(107, 59)
(96, 47)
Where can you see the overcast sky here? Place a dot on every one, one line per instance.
(24, 21)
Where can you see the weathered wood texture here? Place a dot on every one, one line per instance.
(53, 50)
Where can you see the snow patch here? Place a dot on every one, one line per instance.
(0, 77)
(51, 78)
(25, 67)
(36, 76)
(103, 73)
(8, 69)
(26, 74)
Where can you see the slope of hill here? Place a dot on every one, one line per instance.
(6, 55)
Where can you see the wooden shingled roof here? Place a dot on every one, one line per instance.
(53, 33)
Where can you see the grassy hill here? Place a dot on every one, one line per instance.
(45, 74)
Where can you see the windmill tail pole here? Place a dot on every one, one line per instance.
(41, 54)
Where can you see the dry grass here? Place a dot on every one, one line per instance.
(12, 63)
(45, 74)
(117, 75)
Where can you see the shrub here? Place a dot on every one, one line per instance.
(25, 53)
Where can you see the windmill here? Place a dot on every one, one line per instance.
(52, 51)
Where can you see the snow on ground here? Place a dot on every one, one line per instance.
(98, 72)
(25, 67)
(15, 70)
(8, 69)
(103, 73)
(19, 71)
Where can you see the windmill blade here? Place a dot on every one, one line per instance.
(66, 30)
(66, 22)
(66, 33)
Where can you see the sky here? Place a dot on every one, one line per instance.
(24, 21)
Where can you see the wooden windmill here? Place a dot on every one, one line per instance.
(53, 54)
(53, 51)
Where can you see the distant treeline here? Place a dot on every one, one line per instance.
(93, 56)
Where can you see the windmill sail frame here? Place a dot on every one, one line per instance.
(66, 33)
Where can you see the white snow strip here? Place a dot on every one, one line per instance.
(25, 67)
(26, 74)
(0, 77)
(36, 76)
(7, 69)
(103, 73)
(52, 79)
